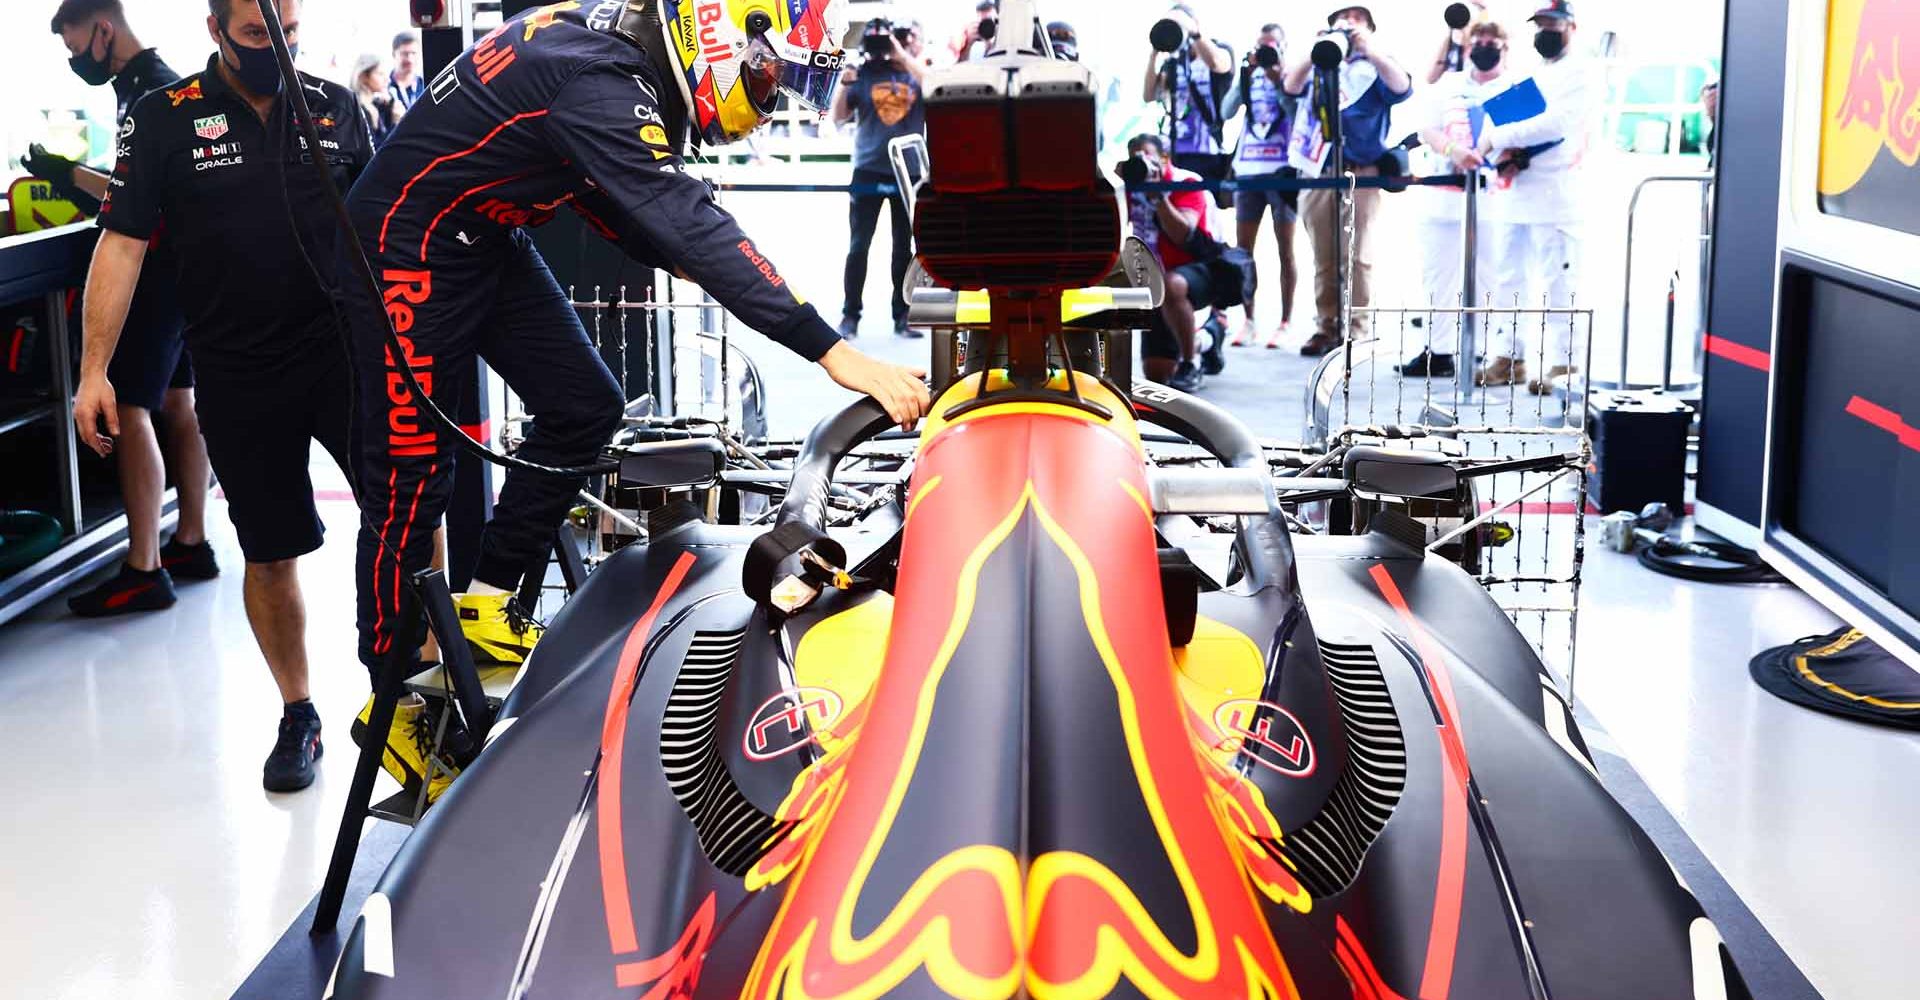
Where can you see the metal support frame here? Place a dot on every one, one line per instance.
(1626, 284)
(427, 593)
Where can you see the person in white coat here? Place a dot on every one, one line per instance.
(1450, 117)
(1537, 243)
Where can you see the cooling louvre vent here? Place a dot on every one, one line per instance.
(733, 831)
(1017, 239)
(1329, 848)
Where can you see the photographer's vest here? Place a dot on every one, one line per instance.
(1193, 108)
(1263, 142)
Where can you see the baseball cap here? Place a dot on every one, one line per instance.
(1342, 9)
(1559, 9)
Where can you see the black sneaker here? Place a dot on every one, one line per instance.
(130, 590)
(849, 327)
(290, 765)
(189, 562)
(1186, 378)
(1213, 360)
(1428, 365)
(901, 329)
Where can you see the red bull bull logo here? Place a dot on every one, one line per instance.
(181, 95)
(1872, 89)
(545, 17)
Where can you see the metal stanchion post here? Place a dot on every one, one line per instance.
(1467, 351)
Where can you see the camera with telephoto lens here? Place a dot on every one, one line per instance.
(1266, 56)
(875, 42)
(989, 26)
(1332, 48)
(1168, 35)
(1133, 170)
(1458, 16)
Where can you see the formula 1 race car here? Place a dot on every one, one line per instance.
(1046, 720)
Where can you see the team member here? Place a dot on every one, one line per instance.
(1537, 245)
(581, 106)
(1371, 83)
(1262, 152)
(882, 98)
(1447, 138)
(213, 157)
(404, 83)
(151, 371)
(1201, 271)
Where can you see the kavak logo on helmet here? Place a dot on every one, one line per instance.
(210, 128)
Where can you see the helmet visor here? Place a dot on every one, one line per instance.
(805, 75)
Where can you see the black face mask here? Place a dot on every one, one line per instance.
(1484, 57)
(1549, 44)
(258, 70)
(93, 72)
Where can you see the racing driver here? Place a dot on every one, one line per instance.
(581, 105)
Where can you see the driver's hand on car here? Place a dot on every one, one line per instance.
(94, 404)
(902, 391)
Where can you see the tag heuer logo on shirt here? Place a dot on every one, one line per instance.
(210, 128)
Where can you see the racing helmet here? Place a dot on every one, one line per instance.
(734, 58)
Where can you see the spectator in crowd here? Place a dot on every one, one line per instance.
(1262, 152)
(1537, 243)
(1202, 272)
(1449, 112)
(1190, 83)
(1452, 57)
(405, 84)
(152, 371)
(881, 97)
(1370, 84)
(382, 110)
(974, 39)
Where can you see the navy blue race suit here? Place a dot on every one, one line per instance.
(543, 114)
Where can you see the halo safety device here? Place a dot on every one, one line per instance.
(735, 58)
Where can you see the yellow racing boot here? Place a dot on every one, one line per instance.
(495, 627)
(409, 741)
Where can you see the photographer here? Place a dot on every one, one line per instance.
(1452, 57)
(1262, 152)
(1450, 114)
(1370, 84)
(1188, 74)
(1202, 272)
(882, 97)
(1536, 246)
(973, 41)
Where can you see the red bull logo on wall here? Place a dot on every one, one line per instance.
(1872, 89)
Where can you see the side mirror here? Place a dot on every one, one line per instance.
(1382, 473)
(673, 465)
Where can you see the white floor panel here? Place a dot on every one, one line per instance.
(140, 857)
(1809, 817)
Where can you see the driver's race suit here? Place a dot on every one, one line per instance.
(544, 114)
